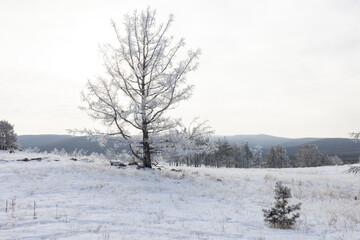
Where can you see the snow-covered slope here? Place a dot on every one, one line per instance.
(93, 200)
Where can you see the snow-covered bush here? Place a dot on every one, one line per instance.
(281, 215)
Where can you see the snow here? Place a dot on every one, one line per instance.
(93, 200)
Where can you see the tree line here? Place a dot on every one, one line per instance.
(224, 154)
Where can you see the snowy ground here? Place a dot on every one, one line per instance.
(85, 200)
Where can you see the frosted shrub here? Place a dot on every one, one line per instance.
(32, 150)
(97, 157)
(78, 153)
(281, 215)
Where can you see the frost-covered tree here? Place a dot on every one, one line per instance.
(270, 158)
(308, 156)
(237, 157)
(223, 154)
(332, 160)
(281, 215)
(257, 156)
(145, 77)
(188, 144)
(277, 157)
(246, 155)
(8, 137)
(198, 134)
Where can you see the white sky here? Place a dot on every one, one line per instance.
(284, 68)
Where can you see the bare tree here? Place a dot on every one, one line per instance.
(8, 137)
(144, 79)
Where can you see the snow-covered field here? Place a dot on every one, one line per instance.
(93, 200)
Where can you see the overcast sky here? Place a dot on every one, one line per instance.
(284, 68)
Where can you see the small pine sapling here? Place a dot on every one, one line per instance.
(354, 169)
(281, 215)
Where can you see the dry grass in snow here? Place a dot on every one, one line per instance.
(92, 200)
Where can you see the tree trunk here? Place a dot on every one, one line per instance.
(146, 147)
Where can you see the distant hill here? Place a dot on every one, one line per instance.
(345, 148)
(67, 142)
(299, 141)
(26, 141)
(266, 141)
(256, 140)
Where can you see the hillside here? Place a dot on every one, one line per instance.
(57, 198)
